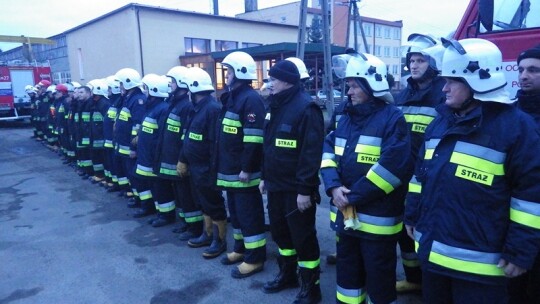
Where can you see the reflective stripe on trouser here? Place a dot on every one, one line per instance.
(191, 212)
(409, 258)
(366, 266)
(247, 219)
(163, 194)
(98, 157)
(293, 230)
(143, 187)
(209, 199)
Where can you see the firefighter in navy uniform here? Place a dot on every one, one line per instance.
(524, 289)
(84, 132)
(101, 103)
(61, 96)
(168, 149)
(293, 140)
(238, 161)
(418, 101)
(156, 89)
(196, 156)
(365, 168)
(42, 109)
(127, 126)
(475, 219)
(32, 94)
(111, 177)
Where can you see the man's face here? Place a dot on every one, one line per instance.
(229, 76)
(83, 94)
(456, 92)
(356, 92)
(58, 94)
(275, 85)
(529, 75)
(418, 65)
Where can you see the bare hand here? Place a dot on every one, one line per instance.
(244, 176)
(410, 231)
(303, 202)
(339, 197)
(132, 154)
(510, 270)
(262, 188)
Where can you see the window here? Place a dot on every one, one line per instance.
(387, 32)
(377, 51)
(223, 45)
(386, 51)
(395, 69)
(196, 46)
(248, 44)
(397, 34)
(367, 29)
(61, 77)
(513, 15)
(378, 31)
(396, 52)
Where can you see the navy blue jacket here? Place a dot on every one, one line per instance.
(100, 108)
(171, 132)
(239, 138)
(479, 185)
(110, 119)
(129, 121)
(293, 141)
(85, 123)
(369, 153)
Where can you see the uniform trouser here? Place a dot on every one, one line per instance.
(34, 120)
(366, 267)
(525, 289)
(72, 153)
(209, 199)
(163, 194)
(247, 219)
(98, 158)
(63, 140)
(128, 165)
(52, 137)
(186, 206)
(108, 165)
(409, 258)
(122, 176)
(42, 128)
(84, 158)
(293, 231)
(441, 289)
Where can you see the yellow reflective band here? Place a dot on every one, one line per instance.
(255, 245)
(286, 143)
(350, 296)
(367, 159)
(412, 264)
(253, 139)
(230, 122)
(465, 266)
(173, 122)
(429, 154)
(123, 151)
(144, 173)
(195, 136)
(415, 188)
(474, 175)
(173, 129)
(124, 117)
(339, 150)
(418, 128)
(384, 230)
(194, 219)
(147, 130)
(238, 184)
(379, 181)
(477, 163)
(367, 149)
(287, 252)
(238, 236)
(168, 171)
(309, 264)
(85, 141)
(333, 217)
(150, 124)
(422, 119)
(524, 218)
(328, 163)
(230, 130)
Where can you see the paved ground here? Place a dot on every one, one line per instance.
(64, 240)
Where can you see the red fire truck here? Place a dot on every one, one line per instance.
(513, 25)
(14, 76)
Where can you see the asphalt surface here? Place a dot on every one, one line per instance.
(64, 240)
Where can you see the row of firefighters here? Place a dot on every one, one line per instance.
(448, 168)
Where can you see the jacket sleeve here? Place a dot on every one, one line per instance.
(523, 169)
(312, 137)
(329, 165)
(414, 193)
(138, 112)
(392, 170)
(252, 125)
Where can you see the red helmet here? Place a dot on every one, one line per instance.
(62, 88)
(44, 83)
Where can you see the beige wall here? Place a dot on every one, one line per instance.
(112, 43)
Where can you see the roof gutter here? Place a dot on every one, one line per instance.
(140, 39)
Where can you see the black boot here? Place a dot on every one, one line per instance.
(142, 212)
(219, 242)
(205, 239)
(164, 218)
(193, 230)
(310, 293)
(286, 278)
(182, 227)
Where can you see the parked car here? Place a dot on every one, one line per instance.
(321, 98)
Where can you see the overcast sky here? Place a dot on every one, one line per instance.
(40, 18)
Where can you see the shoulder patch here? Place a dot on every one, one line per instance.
(251, 117)
(141, 101)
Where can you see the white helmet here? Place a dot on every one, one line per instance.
(435, 55)
(370, 68)
(113, 84)
(179, 73)
(29, 89)
(129, 78)
(243, 65)
(416, 43)
(99, 87)
(198, 80)
(300, 66)
(51, 88)
(479, 63)
(75, 84)
(158, 86)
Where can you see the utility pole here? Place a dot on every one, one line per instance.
(328, 82)
(358, 23)
(300, 46)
